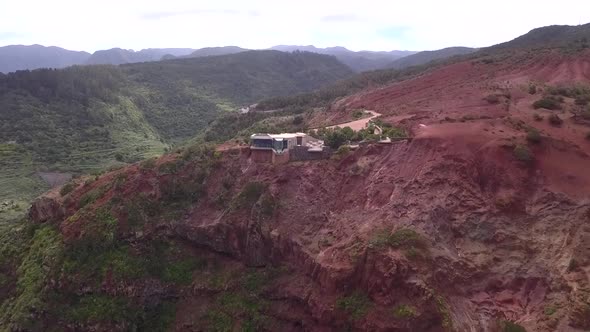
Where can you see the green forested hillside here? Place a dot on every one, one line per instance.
(86, 118)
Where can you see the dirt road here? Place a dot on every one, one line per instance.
(357, 125)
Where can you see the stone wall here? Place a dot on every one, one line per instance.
(261, 156)
(300, 153)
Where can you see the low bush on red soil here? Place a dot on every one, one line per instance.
(67, 188)
(492, 99)
(533, 135)
(523, 153)
(404, 311)
(549, 103)
(532, 89)
(356, 305)
(508, 326)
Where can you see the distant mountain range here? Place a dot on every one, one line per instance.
(18, 57)
(357, 61)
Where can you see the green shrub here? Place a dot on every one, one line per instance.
(67, 188)
(443, 310)
(401, 238)
(250, 194)
(102, 308)
(268, 205)
(357, 114)
(148, 164)
(356, 305)
(180, 272)
(548, 103)
(335, 137)
(298, 120)
(533, 135)
(555, 120)
(532, 89)
(91, 196)
(537, 117)
(508, 326)
(550, 310)
(169, 167)
(492, 99)
(523, 153)
(395, 133)
(219, 321)
(572, 265)
(38, 262)
(404, 311)
(342, 150)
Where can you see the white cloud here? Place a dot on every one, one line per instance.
(368, 24)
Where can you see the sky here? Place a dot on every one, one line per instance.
(358, 25)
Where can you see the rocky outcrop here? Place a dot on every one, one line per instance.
(46, 209)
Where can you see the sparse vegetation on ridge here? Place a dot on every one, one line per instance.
(356, 305)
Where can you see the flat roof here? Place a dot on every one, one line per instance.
(282, 135)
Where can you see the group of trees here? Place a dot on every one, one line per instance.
(336, 137)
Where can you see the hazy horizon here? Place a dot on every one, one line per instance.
(371, 25)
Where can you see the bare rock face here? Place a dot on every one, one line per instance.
(46, 209)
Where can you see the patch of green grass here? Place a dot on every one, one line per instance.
(401, 238)
(356, 305)
(123, 263)
(95, 308)
(404, 311)
(443, 311)
(43, 253)
(91, 196)
(181, 271)
(219, 321)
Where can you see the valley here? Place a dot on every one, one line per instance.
(474, 216)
